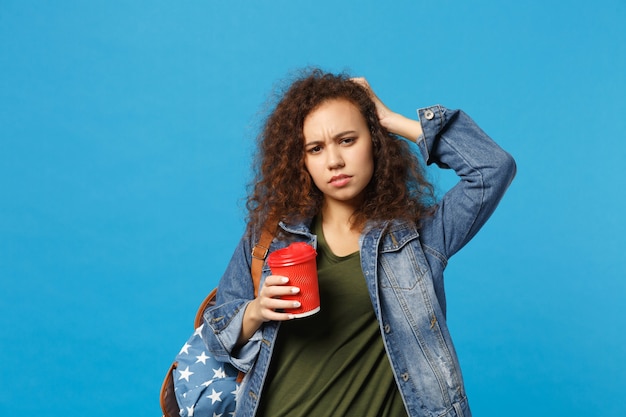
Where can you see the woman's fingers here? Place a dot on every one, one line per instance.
(382, 110)
(270, 302)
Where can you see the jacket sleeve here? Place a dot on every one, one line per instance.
(451, 139)
(223, 322)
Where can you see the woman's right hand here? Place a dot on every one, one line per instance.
(268, 305)
(269, 299)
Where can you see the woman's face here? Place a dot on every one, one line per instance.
(339, 155)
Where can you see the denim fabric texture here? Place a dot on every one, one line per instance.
(403, 267)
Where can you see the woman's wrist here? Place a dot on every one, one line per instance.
(251, 323)
(402, 126)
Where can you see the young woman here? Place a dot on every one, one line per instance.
(332, 172)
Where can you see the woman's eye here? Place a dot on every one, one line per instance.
(347, 141)
(315, 149)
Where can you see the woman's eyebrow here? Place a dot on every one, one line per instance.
(335, 137)
(314, 142)
(344, 133)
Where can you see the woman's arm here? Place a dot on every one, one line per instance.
(223, 321)
(233, 327)
(451, 139)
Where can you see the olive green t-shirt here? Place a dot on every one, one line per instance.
(332, 363)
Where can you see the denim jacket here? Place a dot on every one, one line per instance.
(403, 267)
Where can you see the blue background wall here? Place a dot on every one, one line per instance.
(126, 130)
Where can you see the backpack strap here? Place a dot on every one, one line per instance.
(206, 303)
(167, 397)
(259, 253)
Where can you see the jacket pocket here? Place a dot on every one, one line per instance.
(402, 263)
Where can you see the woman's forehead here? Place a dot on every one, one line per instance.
(334, 114)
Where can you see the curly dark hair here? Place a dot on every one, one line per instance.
(284, 190)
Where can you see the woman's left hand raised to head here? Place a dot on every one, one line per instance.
(394, 122)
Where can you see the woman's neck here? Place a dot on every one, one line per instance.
(342, 238)
(338, 214)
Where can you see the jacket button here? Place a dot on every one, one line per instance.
(428, 114)
(405, 376)
(387, 328)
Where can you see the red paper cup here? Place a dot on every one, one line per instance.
(297, 262)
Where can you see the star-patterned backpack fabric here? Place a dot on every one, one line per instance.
(204, 386)
(196, 383)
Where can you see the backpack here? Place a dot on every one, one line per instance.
(193, 374)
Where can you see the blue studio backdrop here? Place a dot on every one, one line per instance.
(126, 136)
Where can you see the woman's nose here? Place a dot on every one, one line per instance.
(334, 159)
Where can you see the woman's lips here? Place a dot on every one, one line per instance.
(339, 180)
